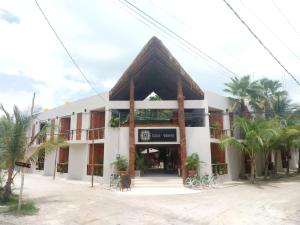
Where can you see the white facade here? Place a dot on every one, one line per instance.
(116, 140)
(75, 121)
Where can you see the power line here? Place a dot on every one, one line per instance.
(68, 52)
(286, 19)
(186, 25)
(270, 30)
(144, 20)
(258, 39)
(178, 36)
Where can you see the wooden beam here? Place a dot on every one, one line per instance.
(181, 123)
(131, 130)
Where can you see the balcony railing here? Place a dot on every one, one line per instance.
(219, 168)
(69, 135)
(98, 169)
(95, 133)
(62, 167)
(218, 133)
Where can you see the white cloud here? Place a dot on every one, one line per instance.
(104, 39)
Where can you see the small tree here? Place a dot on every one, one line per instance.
(289, 138)
(14, 144)
(254, 129)
(121, 164)
(192, 162)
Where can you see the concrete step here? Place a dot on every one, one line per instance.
(157, 182)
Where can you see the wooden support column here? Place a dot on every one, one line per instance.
(181, 123)
(131, 130)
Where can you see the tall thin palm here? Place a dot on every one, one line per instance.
(269, 97)
(240, 89)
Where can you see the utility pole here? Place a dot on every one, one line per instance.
(55, 159)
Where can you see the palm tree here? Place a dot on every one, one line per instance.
(269, 98)
(240, 90)
(289, 139)
(269, 138)
(255, 130)
(14, 144)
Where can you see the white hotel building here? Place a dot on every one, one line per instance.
(112, 124)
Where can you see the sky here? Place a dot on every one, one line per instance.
(104, 37)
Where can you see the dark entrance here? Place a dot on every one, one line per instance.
(157, 159)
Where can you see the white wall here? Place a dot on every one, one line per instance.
(198, 140)
(216, 101)
(90, 103)
(117, 139)
(235, 162)
(78, 159)
(49, 163)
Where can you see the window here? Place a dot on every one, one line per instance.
(122, 114)
(194, 117)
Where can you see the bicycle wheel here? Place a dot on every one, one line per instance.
(189, 182)
(205, 181)
(196, 182)
(213, 180)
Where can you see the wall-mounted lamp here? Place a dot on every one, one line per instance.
(85, 110)
(73, 113)
(56, 117)
(118, 156)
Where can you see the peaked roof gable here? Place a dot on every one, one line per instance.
(155, 69)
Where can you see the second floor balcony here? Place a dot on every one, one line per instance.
(218, 133)
(74, 135)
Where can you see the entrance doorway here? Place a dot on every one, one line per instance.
(158, 160)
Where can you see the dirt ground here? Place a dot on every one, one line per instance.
(64, 202)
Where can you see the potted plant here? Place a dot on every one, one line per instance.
(121, 165)
(192, 164)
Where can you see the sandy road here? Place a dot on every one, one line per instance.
(63, 202)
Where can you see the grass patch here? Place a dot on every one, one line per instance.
(27, 208)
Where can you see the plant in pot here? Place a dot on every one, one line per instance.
(121, 165)
(192, 164)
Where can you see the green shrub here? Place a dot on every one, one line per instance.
(192, 162)
(121, 164)
(140, 163)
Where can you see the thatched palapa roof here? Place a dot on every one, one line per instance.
(155, 70)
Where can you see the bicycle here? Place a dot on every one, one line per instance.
(204, 181)
(213, 179)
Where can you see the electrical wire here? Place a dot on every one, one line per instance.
(259, 40)
(177, 36)
(69, 54)
(270, 30)
(144, 20)
(185, 24)
(285, 18)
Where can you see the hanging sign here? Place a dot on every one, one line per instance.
(23, 164)
(157, 135)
